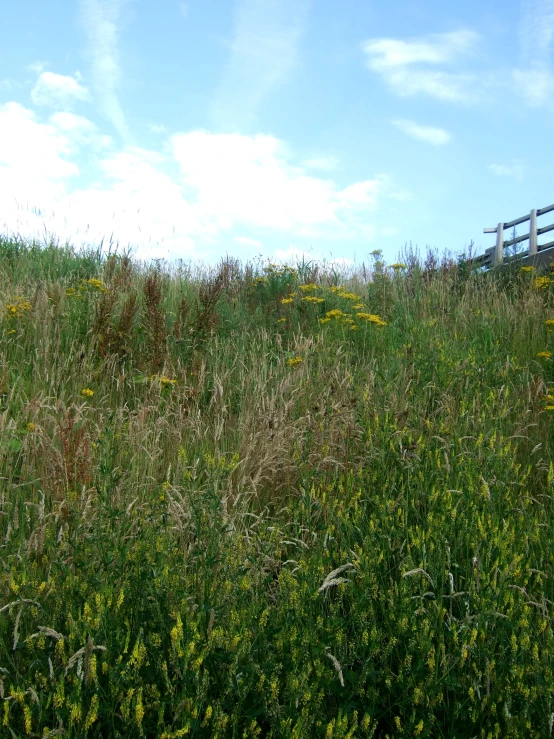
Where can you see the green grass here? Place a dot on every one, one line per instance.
(225, 515)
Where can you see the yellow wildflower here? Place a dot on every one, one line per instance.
(294, 360)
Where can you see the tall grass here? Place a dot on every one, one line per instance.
(278, 502)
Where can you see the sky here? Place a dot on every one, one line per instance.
(285, 130)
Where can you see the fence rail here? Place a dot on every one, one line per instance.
(535, 255)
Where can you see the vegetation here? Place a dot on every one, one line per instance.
(274, 502)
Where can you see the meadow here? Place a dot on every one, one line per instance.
(274, 501)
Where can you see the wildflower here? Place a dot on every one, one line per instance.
(372, 318)
(310, 286)
(30, 427)
(27, 718)
(526, 269)
(286, 301)
(75, 713)
(166, 382)
(541, 282)
(313, 299)
(397, 266)
(544, 354)
(92, 714)
(139, 708)
(87, 392)
(294, 361)
(96, 284)
(19, 307)
(349, 296)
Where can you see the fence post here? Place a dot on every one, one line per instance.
(499, 251)
(533, 233)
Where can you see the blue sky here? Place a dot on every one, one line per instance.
(280, 128)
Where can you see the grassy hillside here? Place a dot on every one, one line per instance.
(274, 502)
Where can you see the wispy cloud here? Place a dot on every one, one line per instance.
(58, 90)
(37, 67)
(534, 79)
(435, 136)
(394, 60)
(535, 85)
(536, 30)
(100, 20)
(156, 128)
(264, 53)
(501, 170)
(183, 9)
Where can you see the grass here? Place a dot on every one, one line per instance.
(276, 502)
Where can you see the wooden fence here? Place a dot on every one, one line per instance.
(536, 255)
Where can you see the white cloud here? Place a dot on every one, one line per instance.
(247, 241)
(33, 167)
(100, 21)
(536, 30)
(536, 86)
(533, 78)
(37, 67)
(243, 179)
(264, 53)
(501, 170)
(156, 128)
(32, 149)
(435, 136)
(80, 130)
(58, 90)
(179, 201)
(325, 163)
(394, 60)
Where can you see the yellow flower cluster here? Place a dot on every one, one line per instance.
(18, 308)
